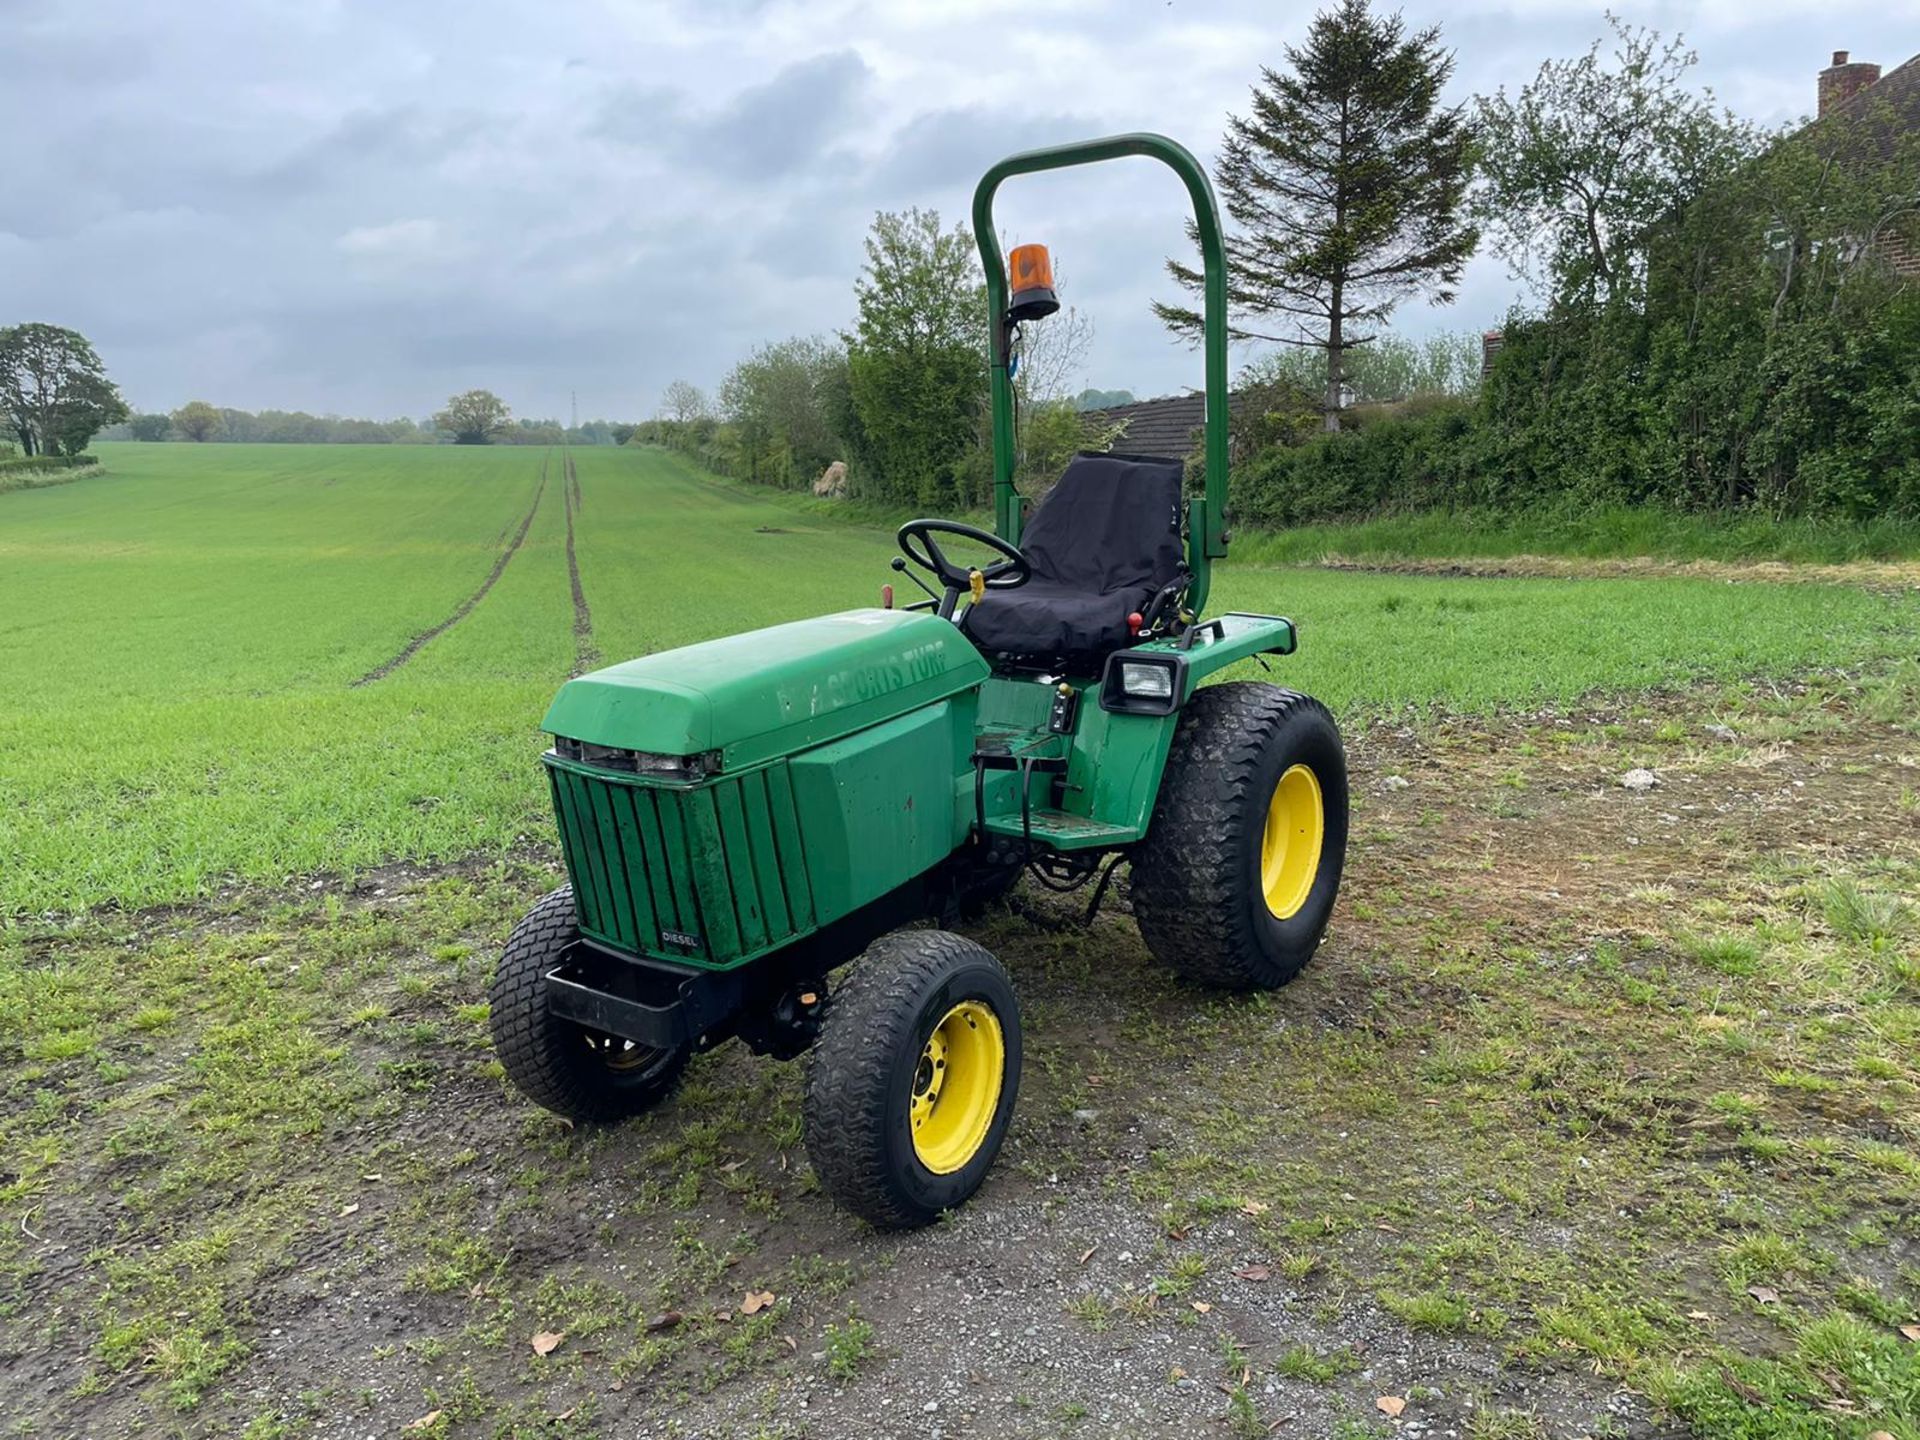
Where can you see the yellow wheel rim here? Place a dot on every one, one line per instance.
(956, 1086)
(619, 1055)
(1290, 845)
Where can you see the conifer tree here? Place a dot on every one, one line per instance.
(1345, 190)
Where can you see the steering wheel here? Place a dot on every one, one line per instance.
(916, 540)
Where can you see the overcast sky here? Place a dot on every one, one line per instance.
(361, 206)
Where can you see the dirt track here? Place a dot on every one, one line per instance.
(586, 654)
(465, 607)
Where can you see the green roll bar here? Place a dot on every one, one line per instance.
(1206, 516)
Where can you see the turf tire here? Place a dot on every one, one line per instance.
(1197, 894)
(552, 1061)
(860, 1075)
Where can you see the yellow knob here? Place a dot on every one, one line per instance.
(979, 584)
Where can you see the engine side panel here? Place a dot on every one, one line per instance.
(877, 808)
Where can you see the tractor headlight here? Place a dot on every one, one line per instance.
(1134, 684)
(637, 762)
(1146, 682)
(669, 767)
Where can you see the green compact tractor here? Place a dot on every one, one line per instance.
(742, 818)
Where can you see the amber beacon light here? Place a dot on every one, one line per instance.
(1030, 278)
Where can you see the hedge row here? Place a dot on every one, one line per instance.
(31, 464)
(30, 472)
(1816, 416)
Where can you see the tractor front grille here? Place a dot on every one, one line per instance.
(711, 872)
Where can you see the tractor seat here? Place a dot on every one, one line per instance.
(1102, 544)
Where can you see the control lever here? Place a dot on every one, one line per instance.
(900, 564)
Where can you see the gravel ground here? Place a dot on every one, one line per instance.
(384, 1270)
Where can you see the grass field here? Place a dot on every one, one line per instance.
(185, 636)
(1598, 1115)
(186, 641)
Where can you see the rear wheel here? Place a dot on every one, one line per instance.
(573, 1071)
(911, 1087)
(1236, 879)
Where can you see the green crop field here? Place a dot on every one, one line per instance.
(254, 662)
(1595, 1114)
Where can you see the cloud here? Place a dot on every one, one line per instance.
(954, 146)
(781, 126)
(396, 240)
(772, 128)
(364, 144)
(360, 207)
(638, 114)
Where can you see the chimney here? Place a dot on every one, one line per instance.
(1491, 342)
(1843, 80)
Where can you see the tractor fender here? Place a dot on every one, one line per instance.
(1121, 744)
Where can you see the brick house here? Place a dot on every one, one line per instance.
(1887, 108)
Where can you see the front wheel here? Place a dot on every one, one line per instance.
(573, 1071)
(1236, 879)
(911, 1086)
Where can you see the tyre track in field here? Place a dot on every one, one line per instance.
(586, 655)
(465, 607)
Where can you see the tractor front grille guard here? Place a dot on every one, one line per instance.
(713, 872)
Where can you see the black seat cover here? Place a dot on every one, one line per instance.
(1103, 543)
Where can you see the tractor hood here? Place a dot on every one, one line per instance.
(770, 692)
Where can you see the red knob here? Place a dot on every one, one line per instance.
(1134, 622)
(886, 597)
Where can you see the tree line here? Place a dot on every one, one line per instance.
(56, 399)
(474, 417)
(1710, 318)
(901, 396)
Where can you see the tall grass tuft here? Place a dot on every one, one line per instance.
(1867, 916)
